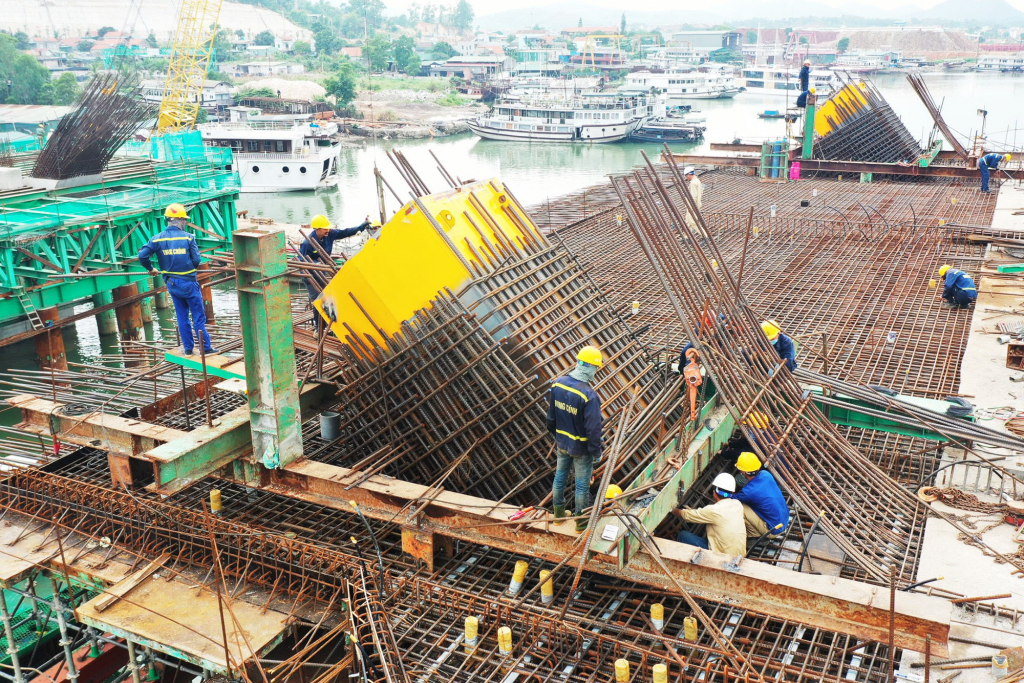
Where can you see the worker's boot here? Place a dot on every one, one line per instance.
(581, 524)
(559, 511)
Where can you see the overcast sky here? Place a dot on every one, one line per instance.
(483, 7)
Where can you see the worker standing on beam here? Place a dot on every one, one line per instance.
(783, 345)
(574, 420)
(958, 287)
(178, 256)
(990, 162)
(805, 84)
(723, 520)
(696, 188)
(764, 507)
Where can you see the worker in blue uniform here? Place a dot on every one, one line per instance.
(805, 84)
(990, 162)
(325, 235)
(764, 507)
(958, 287)
(574, 420)
(782, 344)
(178, 257)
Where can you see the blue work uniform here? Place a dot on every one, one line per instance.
(178, 256)
(959, 288)
(574, 419)
(986, 163)
(310, 252)
(786, 350)
(805, 86)
(763, 495)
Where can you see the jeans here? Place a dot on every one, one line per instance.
(583, 466)
(693, 539)
(984, 176)
(188, 300)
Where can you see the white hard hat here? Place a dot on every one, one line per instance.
(688, 170)
(725, 482)
(807, 62)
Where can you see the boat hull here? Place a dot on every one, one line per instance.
(599, 134)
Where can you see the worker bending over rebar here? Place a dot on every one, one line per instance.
(178, 256)
(958, 288)
(574, 420)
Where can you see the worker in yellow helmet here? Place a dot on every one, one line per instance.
(783, 345)
(574, 420)
(990, 162)
(958, 287)
(764, 507)
(324, 235)
(177, 254)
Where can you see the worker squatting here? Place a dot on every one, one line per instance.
(755, 508)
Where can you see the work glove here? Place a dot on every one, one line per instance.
(154, 273)
(365, 225)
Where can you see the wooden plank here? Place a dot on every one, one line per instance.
(123, 588)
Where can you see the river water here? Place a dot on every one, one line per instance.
(535, 172)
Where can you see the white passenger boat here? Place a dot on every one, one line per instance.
(684, 83)
(590, 117)
(278, 155)
(771, 80)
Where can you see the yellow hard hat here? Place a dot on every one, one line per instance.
(748, 462)
(943, 270)
(320, 222)
(1009, 156)
(612, 491)
(757, 419)
(175, 211)
(591, 356)
(770, 329)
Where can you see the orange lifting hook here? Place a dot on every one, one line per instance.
(691, 373)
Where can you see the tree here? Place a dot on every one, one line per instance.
(622, 23)
(443, 50)
(202, 116)
(372, 11)
(22, 39)
(413, 65)
(241, 34)
(104, 31)
(726, 55)
(326, 41)
(403, 49)
(751, 37)
(262, 91)
(378, 52)
(301, 47)
(22, 74)
(462, 18)
(342, 84)
(214, 75)
(222, 42)
(580, 24)
(843, 45)
(84, 45)
(62, 92)
(803, 40)
(428, 14)
(151, 39)
(264, 38)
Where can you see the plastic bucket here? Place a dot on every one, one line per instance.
(330, 425)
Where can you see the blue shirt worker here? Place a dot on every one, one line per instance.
(325, 235)
(990, 162)
(178, 257)
(764, 507)
(958, 287)
(574, 419)
(805, 84)
(783, 345)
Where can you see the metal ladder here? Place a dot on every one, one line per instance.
(30, 311)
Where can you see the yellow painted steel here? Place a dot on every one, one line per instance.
(461, 236)
(190, 59)
(850, 97)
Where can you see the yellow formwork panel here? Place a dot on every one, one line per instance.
(416, 255)
(851, 96)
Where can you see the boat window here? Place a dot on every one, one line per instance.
(255, 169)
(285, 169)
(280, 145)
(253, 145)
(755, 84)
(302, 169)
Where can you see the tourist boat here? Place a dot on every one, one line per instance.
(683, 83)
(278, 155)
(770, 80)
(667, 130)
(589, 117)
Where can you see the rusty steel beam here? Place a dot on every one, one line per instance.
(932, 171)
(826, 602)
(118, 435)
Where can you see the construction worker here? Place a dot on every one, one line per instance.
(325, 235)
(178, 257)
(696, 188)
(723, 520)
(990, 162)
(783, 345)
(805, 84)
(574, 420)
(958, 289)
(764, 507)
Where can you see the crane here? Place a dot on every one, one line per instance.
(190, 60)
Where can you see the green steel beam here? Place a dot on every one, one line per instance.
(264, 309)
(930, 154)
